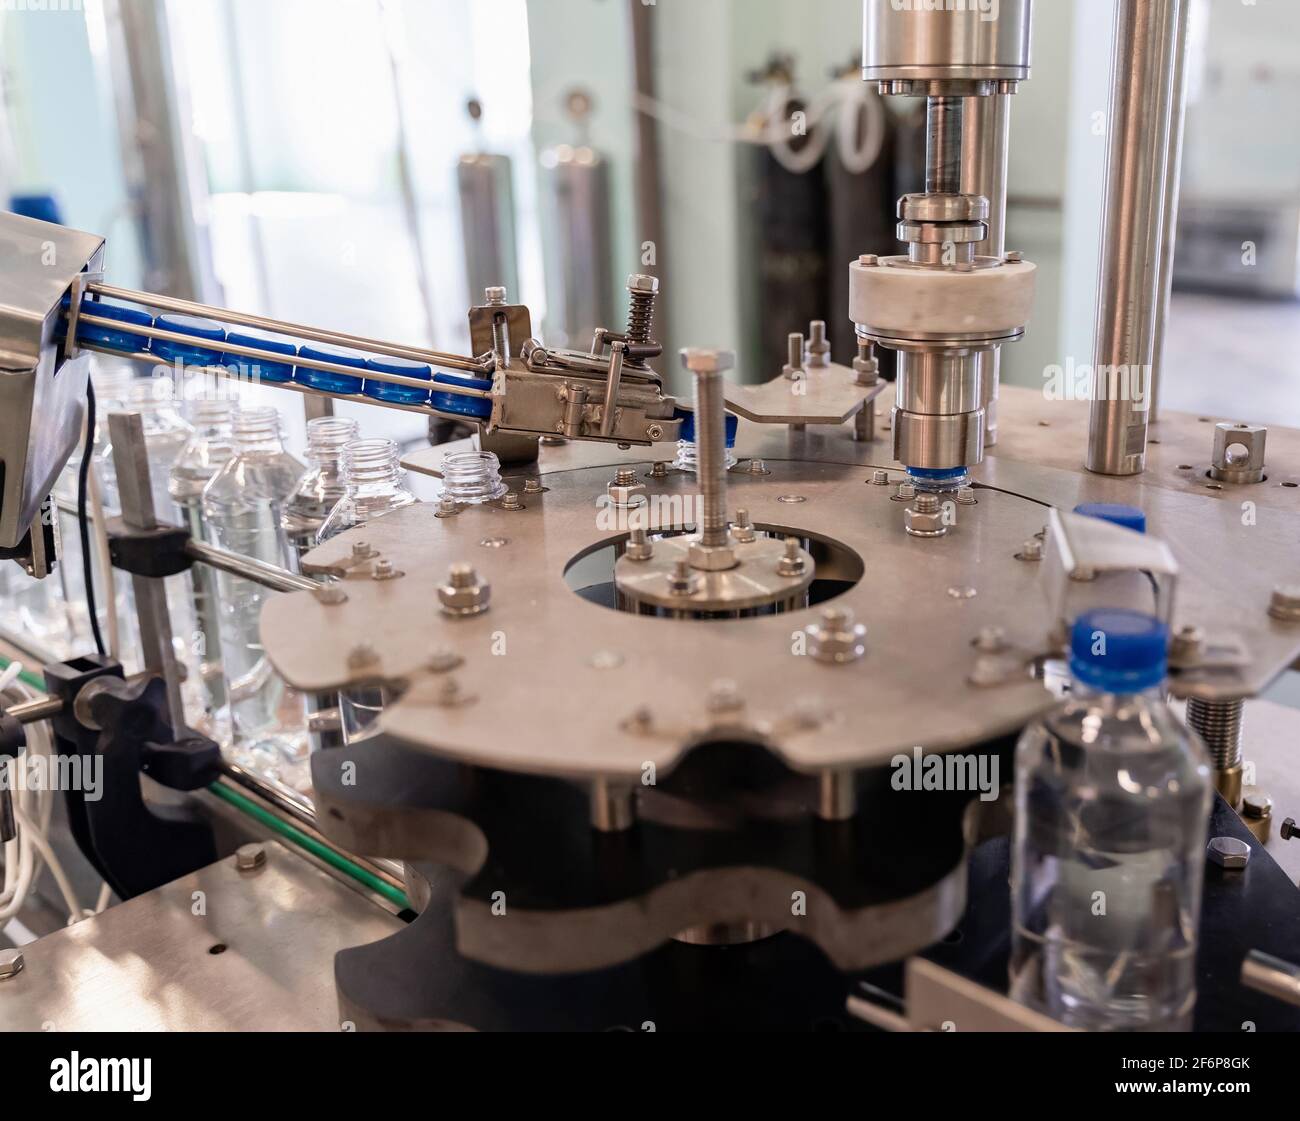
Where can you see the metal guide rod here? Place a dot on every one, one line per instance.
(258, 571)
(272, 357)
(278, 326)
(1144, 105)
(309, 392)
(131, 464)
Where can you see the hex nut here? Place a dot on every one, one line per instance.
(924, 522)
(625, 490)
(1284, 604)
(464, 593)
(11, 963)
(836, 637)
(707, 360)
(250, 856)
(1229, 852)
(711, 558)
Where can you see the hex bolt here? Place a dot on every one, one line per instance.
(510, 501)
(1229, 852)
(447, 506)
(724, 697)
(792, 562)
(966, 496)
(11, 963)
(494, 296)
(758, 467)
(836, 637)
(1013, 257)
(710, 440)
(641, 290)
(683, 580)
(464, 593)
(905, 492)
(361, 655)
(1284, 604)
(362, 550)
(250, 856)
(870, 260)
(639, 547)
(742, 529)
(793, 368)
(819, 348)
(659, 469)
(533, 486)
(880, 478)
(1289, 829)
(329, 593)
(924, 518)
(625, 488)
(1031, 550)
(383, 569)
(625, 476)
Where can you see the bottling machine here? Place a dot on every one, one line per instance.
(661, 713)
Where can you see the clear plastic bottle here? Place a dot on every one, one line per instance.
(321, 488)
(1112, 807)
(376, 485)
(242, 507)
(210, 447)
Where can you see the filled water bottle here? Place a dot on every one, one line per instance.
(1112, 809)
(321, 488)
(242, 509)
(210, 447)
(376, 485)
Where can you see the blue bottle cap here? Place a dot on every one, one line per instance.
(170, 351)
(452, 402)
(401, 394)
(1130, 517)
(323, 379)
(254, 369)
(687, 430)
(44, 208)
(109, 336)
(1118, 651)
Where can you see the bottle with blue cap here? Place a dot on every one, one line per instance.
(1112, 808)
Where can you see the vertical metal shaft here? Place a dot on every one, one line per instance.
(1173, 174)
(943, 129)
(1140, 123)
(710, 440)
(131, 464)
(986, 129)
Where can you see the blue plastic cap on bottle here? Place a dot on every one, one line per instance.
(324, 379)
(170, 351)
(687, 430)
(400, 394)
(44, 208)
(1119, 651)
(453, 402)
(254, 368)
(108, 336)
(1130, 517)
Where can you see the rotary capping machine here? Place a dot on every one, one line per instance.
(636, 768)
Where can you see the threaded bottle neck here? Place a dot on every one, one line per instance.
(257, 430)
(371, 462)
(327, 436)
(208, 412)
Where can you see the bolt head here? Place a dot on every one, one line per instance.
(11, 963)
(625, 490)
(1229, 852)
(869, 259)
(330, 593)
(1285, 603)
(1031, 550)
(248, 857)
(362, 550)
(1014, 257)
(1256, 804)
(707, 360)
(1289, 829)
(642, 282)
(835, 637)
(494, 294)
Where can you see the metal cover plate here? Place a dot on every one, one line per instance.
(146, 965)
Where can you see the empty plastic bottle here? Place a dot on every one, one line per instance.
(243, 505)
(210, 447)
(376, 485)
(321, 488)
(1112, 807)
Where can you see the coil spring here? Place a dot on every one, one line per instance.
(640, 316)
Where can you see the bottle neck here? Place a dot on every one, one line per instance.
(326, 439)
(257, 431)
(372, 465)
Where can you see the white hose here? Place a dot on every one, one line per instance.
(33, 810)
